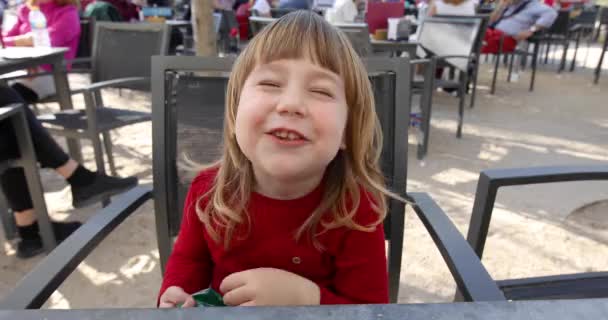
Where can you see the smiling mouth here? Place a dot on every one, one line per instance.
(287, 135)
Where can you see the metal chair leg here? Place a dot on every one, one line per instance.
(395, 248)
(8, 220)
(576, 44)
(562, 64)
(497, 62)
(98, 151)
(511, 61)
(107, 141)
(99, 161)
(462, 94)
(534, 64)
(32, 177)
(474, 83)
(598, 69)
(426, 107)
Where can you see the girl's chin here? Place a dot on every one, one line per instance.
(281, 171)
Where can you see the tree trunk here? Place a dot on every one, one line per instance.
(202, 25)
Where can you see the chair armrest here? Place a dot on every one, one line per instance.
(38, 285)
(566, 286)
(490, 180)
(79, 60)
(473, 280)
(111, 83)
(453, 57)
(419, 61)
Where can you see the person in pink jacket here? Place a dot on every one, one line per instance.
(63, 24)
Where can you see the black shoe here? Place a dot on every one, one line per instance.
(102, 187)
(27, 248)
(31, 247)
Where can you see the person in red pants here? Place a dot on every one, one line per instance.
(516, 20)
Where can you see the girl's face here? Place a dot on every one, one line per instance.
(290, 120)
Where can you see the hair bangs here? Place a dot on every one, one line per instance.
(300, 35)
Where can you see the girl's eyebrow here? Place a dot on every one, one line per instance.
(319, 73)
(315, 73)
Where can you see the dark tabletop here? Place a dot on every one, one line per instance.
(34, 57)
(554, 310)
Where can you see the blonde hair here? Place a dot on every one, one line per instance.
(303, 34)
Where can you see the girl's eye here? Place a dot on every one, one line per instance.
(266, 83)
(324, 92)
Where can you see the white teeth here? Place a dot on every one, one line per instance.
(286, 135)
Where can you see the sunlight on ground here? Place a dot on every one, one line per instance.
(137, 265)
(9, 250)
(585, 150)
(155, 254)
(58, 301)
(454, 176)
(492, 152)
(97, 277)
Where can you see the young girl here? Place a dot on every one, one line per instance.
(292, 212)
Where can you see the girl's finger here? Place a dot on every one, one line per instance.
(166, 304)
(233, 281)
(189, 303)
(238, 296)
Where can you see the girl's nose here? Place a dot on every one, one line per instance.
(292, 102)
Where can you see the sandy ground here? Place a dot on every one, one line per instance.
(536, 230)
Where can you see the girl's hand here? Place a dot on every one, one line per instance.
(174, 297)
(267, 286)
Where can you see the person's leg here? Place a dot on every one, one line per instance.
(14, 186)
(87, 187)
(16, 191)
(491, 41)
(29, 95)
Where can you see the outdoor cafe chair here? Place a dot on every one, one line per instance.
(557, 33)
(188, 99)
(565, 286)
(478, 44)
(583, 25)
(121, 53)
(358, 34)
(452, 42)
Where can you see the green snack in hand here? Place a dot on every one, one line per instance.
(208, 298)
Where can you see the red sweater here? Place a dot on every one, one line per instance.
(351, 269)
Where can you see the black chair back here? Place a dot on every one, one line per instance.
(188, 109)
(587, 17)
(484, 21)
(358, 34)
(447, 36)
(603, 16)
(123, 50)
(561, 25)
